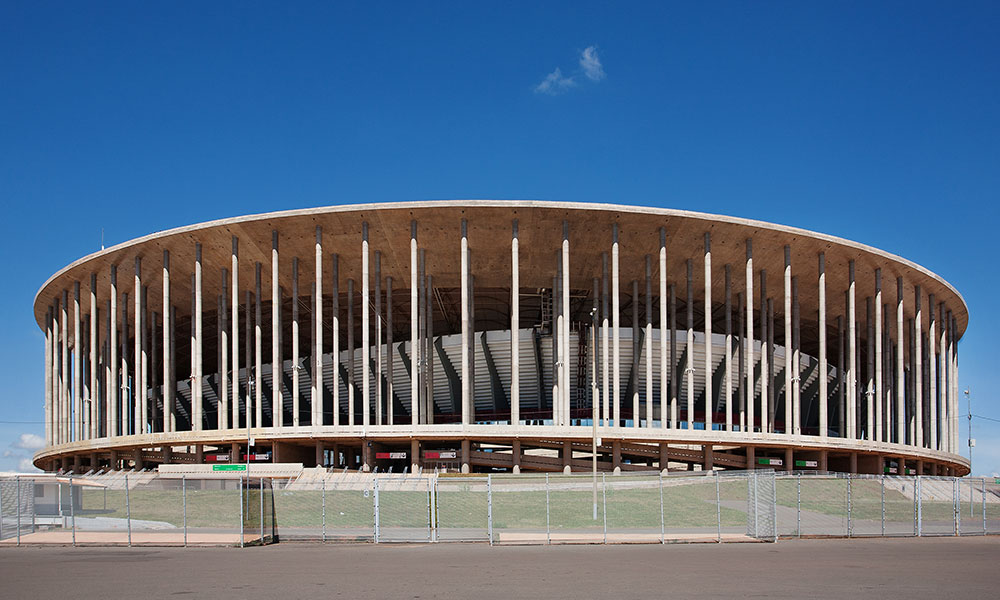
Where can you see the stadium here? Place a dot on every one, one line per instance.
(500, 336)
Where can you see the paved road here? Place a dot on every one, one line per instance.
(873, 568)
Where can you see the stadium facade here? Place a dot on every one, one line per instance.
(501, 335)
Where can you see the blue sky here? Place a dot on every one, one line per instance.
(879, 123)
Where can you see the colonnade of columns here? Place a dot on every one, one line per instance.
(92, 390)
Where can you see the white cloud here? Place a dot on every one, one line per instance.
(591, 64)
(26, 466)
(10, 454)
(554, 83)
(29, 441)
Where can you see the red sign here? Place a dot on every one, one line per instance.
(390, 455)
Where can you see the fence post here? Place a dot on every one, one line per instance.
(1, 507)
(72, 511)
(376, 532)
(920, 505)
(983, 497)
(261, 510)
(849, 507)
(916, 496)
(956, 501)
(548, 534)
(798, 505)
(660, 474)
(184, 500)
(604, 500)
(324, 507)
(882, 482)
(434, 510)
(756, 509)
(241, 510)
(18, 491)
(489, 506)
(128, 513)
(718, 509)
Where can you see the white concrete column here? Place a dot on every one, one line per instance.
(317, 353)
(796, 360)
(466, 392)
(390, 412)
(428, 347)
(223, 351)
(564, 334)
(852, 356)
(649, 341)
(258, 343)
(953, 380)
(378, 337)
(689, 346)
(748, 341)
(673, 357)
(932, 373)
(65, 414)
(335, 337)
(879, 389)
(605, 356)
(138, 385)
(114, 382)
(728, 366)
(944, 411)
(197, 400)
(295, 342)
(900, 354)
(918, 371)
(616, 366)
(515, 330)
(664, 396)
(765, 384)
(414, 327)
(709, 392)
(350, 353)
(277, 404)
(636, 354)
(824, 370)
(234, 325)
(144, 368)
(92, 399)
(169, 416)
(870, 372)
(788, 363)
(48, 379)
(78, 421)
(365, 331)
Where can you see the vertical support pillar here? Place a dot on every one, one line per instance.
(852, 356)
(49, 363)
(378, 337)
(77, 409)
(92, 396)
(788, 363)
(391, 359)
(605, 348)
(277, 405)
(648, 337)
(945, 410)
(879, 393)
(516, 453)
(414, 318)
(932, 374)
(918, 371)
(567, 456)
(317, 354)
(708, 458)
(673, 357)
(139, 336)
(765, 370)
(900, 388)
(223, 354)
(823, 368)
(351, 417)
(796, 360)
(515, 332)
(689, 346)
(169, 414)
(748, 341)
(466, 391)
(365, 332)
(663, 328)
(709, 392)
(295, 342)
(616, 456)
(564, 334)
(335, 338)
(789, 459)
(114, 383)
(751, 458)
(616, 367)
(870, 372)
(258, 341)
(663, 464)
(636, 353)
(234, 325)
(466, 451)
(728, 365)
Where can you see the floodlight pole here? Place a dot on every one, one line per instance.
(593, 399)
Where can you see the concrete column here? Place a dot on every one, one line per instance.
(823, 367)
(317, 353)
(841, 378)
(953, 379)
(155, 363)
(320, 451)
(335, 337)
(789, 459)
(853, 456)
(870, 372)
(728, 365)
(852, 356)
(556, 346)
(664, 396)
(689, 346)
(765, 369)
(616, 352)
(796, 360)
(636, 354)
(378, 337)
(169, 416)
(365, 332)
(516, 456)
(605, 348)
(823, 461)
(879, 389)
(137, 458)
(515, 332)
(144, 367)
(664, 462)
(932, 373)
(114, 383)
(918, 371)
(77, 410)
(466, 388)
(567, 456)
(350, 354)
(944, 410)
(258, 335)
(248, 356)
(466, 451)
(709, 392)
(414, 322)
(673, 357)
(391, 358)
(708, 460)
(414, 456)
(649, 341)
(751, 458)
(92, 400)
(564, 334)
(616, 456)
(49, 363)
(295, 342)
(788, 364)
(900, 388)
(748, 341)
(277, 404)
(234, 321)
(366, 454)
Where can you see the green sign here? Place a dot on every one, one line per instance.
(229, 467)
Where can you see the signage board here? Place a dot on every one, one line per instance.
(217, 458)
(772, 462)
(391, 455)
(441, 455)
(229, 467)
(807, 463)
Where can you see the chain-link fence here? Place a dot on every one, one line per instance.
(135, 509)
(144, 508)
